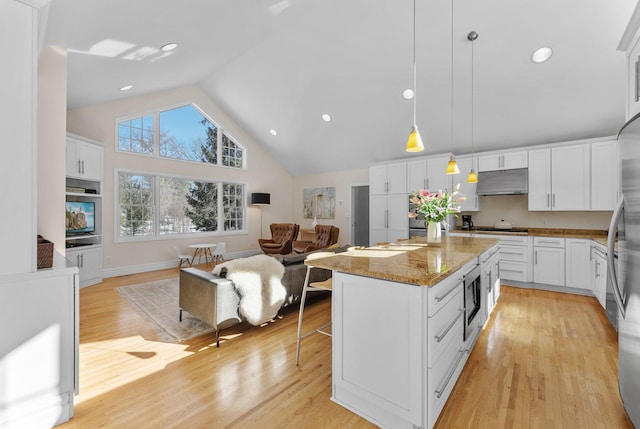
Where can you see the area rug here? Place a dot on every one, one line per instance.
(157, 302)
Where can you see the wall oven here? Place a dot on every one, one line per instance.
(472, 299)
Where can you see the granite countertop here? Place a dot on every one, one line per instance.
(410, 261)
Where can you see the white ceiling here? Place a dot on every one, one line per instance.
(282, 64)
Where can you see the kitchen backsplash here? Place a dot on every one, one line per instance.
(513, 208)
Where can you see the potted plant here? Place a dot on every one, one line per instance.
(435, 207)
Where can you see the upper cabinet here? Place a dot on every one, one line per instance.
(502, 161)
(559, 178)
(630, 44)
(84, 159)
(472, 203)
(605, 175)
(428, 173)
(388, 178)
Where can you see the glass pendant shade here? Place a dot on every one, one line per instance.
(472, 177)
(452, 167)
(414, 144)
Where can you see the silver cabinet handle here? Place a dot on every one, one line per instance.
(79, 167)
(441, 390)
(427, 183)
(553, 204)
(535, 257)
(424, 183)
(441, 297)
(448, 328)
(597, 270)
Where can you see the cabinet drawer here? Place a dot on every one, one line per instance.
(443, 376)
(548, 242)
(445, 327)
(511, 270)
(439, 295)
(513, 253)
(518, 241)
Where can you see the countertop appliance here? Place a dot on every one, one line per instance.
(467, 223)
(625, 280)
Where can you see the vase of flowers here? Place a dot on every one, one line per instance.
(435, 207)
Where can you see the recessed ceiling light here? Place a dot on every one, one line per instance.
(326, 117)
(407, 94)
(168, 47)
(273, 132)
(126, 88)
(541, 55)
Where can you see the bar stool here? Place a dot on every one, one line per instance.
(326, 285)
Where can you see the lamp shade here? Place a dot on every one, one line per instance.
(473, 177)
(260, 199)
(452, 167)
(414, 143)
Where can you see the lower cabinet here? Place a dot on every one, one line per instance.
(577, 259)
(548, 261)
(599, 273)
(490, 263)
(89, 263)
(398, 349)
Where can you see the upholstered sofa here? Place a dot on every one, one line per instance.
(214, 299)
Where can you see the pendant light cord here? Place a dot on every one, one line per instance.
(415, 95)
(452, 76)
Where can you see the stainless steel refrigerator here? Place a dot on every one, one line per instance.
(624, 274)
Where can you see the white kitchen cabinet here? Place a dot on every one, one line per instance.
(605, 175)
(548, 261)
(515, 255)
(559, 178)
(428, 173)
(89, 262)
(84, 159)
(490, 262)
(630, 44)
(388, 220)
(388, 178)
(598, 271)
(503, 161)
(465, 163)
(577, 259)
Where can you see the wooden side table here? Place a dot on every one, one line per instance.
(307, 234)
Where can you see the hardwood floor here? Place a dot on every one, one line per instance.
(544, 360)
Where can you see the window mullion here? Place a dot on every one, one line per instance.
(156, 206)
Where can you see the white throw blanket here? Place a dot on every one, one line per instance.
(258, 280)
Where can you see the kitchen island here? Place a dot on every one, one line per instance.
(399, 317)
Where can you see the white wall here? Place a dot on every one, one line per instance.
(263, 174)
(342, 181)
(52, 119)
(514, 209)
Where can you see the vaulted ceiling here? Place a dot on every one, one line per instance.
(280, 64)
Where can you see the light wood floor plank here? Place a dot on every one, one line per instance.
(544, 360)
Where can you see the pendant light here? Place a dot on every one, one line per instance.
(473, 177)
(414, 144)
(452, 167)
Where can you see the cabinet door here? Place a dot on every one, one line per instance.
(378, 180)
(548, 265)
(91, 161)
(472, 203)
(398, 221)
(605, 174)
(397, 178)
(570, 181)
(539, 179)
(437, 178)
(377, 219)
(518, 159)
(505, 161)
(89, 263)
(599, 268)
(416, 175)
(577, 256)
(84, 160)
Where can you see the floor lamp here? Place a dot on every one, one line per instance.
(260, 199)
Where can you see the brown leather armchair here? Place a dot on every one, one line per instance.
(281, 241)
(326, 235)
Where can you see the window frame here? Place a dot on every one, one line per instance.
(155, 113)
(155, 235)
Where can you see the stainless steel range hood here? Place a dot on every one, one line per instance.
(503, 182)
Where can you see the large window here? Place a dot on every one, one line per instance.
(152, 206)
(183, 133)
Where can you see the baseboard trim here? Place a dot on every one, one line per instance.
(156, 266)
(542, 286)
